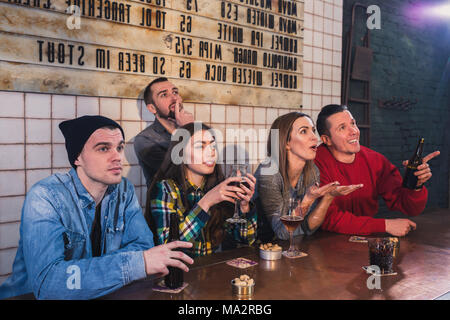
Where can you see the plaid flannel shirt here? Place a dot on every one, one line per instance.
(167, 199)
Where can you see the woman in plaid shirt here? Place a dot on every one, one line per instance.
(190, 183)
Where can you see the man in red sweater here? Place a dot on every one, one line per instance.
(341, 158)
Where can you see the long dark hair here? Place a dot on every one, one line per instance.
(284, 125)
(177, 172)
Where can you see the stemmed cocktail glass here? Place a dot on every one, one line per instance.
(291, 220)
(238, 170)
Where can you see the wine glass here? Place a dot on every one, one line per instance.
(238, 170)
(291, 220)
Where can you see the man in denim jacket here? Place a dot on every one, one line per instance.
(82, 234)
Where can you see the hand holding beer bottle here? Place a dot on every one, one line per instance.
(417, 168)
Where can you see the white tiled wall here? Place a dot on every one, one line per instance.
(33, 147)
(322, 54)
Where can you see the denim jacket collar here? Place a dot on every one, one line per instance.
(85, 197)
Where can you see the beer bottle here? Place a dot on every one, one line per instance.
(409, 179)
(175, 277)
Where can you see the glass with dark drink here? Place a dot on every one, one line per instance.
(238, 170)
(175, 277)
(291, 220)
(381, 253)
(291, 223)
(244, 183)
(239, 183)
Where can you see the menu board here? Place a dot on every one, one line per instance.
(241, 52)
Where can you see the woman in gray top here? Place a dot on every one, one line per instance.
(290, 170)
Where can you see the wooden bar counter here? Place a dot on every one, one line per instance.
(332, 270)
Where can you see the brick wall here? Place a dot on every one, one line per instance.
(410, 61)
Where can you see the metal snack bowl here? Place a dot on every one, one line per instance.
(244, 291)
(270, 255)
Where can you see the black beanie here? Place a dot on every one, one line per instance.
(77, 131)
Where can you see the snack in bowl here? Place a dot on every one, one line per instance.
(270, 247)
(270, 251)
(243, 286)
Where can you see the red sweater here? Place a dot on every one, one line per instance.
(353, 213)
